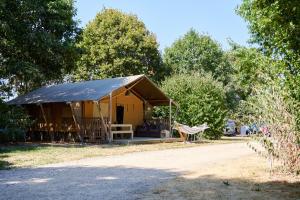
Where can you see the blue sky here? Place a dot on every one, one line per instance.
(170, 19)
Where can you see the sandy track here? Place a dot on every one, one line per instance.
(126, 176)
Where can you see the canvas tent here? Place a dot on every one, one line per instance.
(94, 109)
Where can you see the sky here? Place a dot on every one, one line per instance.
(171, 19)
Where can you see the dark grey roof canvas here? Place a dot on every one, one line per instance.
(79, 91)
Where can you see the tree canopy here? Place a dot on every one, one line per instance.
(37, 42)
(275, 26)
(193, 53)
(249, 69)
(117, 44)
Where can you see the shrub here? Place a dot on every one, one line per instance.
(13, 123)
(271, 108)
(12, 135)
(200, 99)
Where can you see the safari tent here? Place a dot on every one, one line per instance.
(97, 110)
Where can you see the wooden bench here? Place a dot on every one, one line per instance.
(129, 131)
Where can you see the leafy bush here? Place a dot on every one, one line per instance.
(200, 99)
(271, 108)
(12, 135)
(13, 123)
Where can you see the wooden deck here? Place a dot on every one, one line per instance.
(91, 130)
(145, 140)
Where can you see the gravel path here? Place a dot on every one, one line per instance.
(125, 177)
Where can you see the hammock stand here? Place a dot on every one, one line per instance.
(185, 131)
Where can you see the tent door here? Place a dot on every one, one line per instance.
(120, 114)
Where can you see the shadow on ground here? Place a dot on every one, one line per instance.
(132, 183)
(212, 187)
(17, 148)
(11, 148)
(80, 182)
(3, 163)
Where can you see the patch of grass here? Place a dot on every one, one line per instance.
(32, 155)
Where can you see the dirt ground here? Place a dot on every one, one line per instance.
(221, 171)
(243, 178)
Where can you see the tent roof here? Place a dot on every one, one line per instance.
(94, 90)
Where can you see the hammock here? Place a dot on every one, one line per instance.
(185, 130)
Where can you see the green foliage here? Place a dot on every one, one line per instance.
(250, 68)
(118, 44)
(200, 98)
(270, 107)
(194, 53)
(275, 25)
(37, 42)
(13, 123)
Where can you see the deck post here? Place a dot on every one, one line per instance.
(102, 119)
(45, 120)
(110, 118)
(170, 117)
(76, 122)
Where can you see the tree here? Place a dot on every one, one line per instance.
(275, 26)
(249, 69)
(194, 53)
(200, 98)
(118, 44)
(37, 42)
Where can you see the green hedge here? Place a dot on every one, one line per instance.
(200, 98)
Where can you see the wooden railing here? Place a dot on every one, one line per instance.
(93, 129)
(90, 129)
(121, 130)
(67, 125)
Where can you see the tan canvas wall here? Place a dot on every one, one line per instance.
(55, 112)
(88, 108)
(104, 110)
(91, 109)
(133, 108)
(66, 111)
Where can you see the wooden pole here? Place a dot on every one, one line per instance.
(76, 122)
(45, 120)
(102, 119)
(170, 117)
(110, 117)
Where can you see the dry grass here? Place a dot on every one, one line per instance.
(244, 178)
(32, 155)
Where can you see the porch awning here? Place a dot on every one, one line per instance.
(94, 90)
